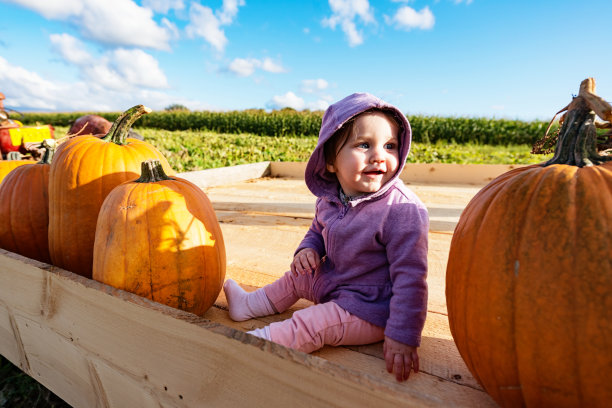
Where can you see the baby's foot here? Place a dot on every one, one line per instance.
(244, 305)
(263, 332)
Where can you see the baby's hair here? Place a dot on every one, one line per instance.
(341, 136)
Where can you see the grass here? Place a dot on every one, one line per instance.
(18, 390)
(188, 150)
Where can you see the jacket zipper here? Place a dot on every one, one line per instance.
(330, 228)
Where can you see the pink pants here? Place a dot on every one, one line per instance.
(311, 328)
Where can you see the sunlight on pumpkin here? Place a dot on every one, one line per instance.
(175, 237)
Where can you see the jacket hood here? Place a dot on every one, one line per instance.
(318, 179)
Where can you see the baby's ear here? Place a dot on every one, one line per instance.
(330, 168)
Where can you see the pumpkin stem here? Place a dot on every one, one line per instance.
(577, 144)
(119, 131)
(151, 172)
(49, 145)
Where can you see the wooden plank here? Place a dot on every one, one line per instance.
(441, 365)
(430, 173)
(419, 173)
(97, 346)
(227, 175)
(445, 394)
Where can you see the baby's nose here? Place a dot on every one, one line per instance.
(377, 156)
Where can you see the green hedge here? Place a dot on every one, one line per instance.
(287, 122)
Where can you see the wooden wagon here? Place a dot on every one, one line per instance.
(96, 346)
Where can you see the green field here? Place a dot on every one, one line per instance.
(189, 150)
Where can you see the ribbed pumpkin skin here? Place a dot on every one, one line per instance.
(161, 241)
(84, 170)
(6, 166)
(24, 211)
(529, 286)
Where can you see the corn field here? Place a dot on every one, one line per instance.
(287, 122)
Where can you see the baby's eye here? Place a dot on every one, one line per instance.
(390, 146)
(363, 145)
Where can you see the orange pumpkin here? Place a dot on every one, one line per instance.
(159, 237)
(84, 170)
(529, 276)
(6, 166)
(24, 209)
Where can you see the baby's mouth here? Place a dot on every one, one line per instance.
(374, 172)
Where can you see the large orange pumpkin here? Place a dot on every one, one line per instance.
(84, 170)
(24, 208)
(529, 276)
(159, 237)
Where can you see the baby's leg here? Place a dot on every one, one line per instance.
(284, 292)
(273, 298)
(313, 327)
(245, 305)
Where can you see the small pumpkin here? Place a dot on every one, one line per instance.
(84, 170)
(529, 274)
(24, 208)
(95, 125)
(159, 237)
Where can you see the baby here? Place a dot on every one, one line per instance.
(363, 261)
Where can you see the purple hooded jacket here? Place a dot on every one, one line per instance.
(376, 247)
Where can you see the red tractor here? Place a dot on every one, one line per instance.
(17, 140)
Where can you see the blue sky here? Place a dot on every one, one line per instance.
(472, 58)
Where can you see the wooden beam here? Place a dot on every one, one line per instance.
(227, 175)
(96, 346)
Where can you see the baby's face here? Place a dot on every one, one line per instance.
(370, 157)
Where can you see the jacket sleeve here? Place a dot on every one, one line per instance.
(314, 237)
(407, 243)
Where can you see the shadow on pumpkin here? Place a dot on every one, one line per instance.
(163, 244)
(72, 219)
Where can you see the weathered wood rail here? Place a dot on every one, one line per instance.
(96, 346)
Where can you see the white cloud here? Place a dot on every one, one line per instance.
(205, 23)
(242, 67)
(25, 89)
(321, 104)
(70, 48)
(117, 69)
(288, 100)
(270, 66)
(163, 6)
(54, 10)
(246, 66)
(408, 18)
(314, 85)
(113, 22)
(138, 68)
(170, 27)
(291, 100)
(344, 13)
(229, 10)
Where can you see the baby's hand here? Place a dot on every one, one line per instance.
(305, 261)
(400, 358)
